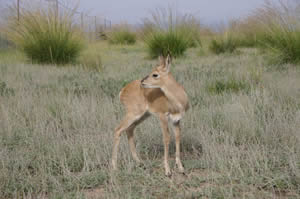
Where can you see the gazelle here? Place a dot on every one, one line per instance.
(158, 94)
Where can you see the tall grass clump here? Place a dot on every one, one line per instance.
(160, 43)
(122, 35)
(167, 31)
(46, 36)
(283, 44)
(282, 34)
(223, 44)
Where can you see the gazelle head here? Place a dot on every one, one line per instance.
(159, 74)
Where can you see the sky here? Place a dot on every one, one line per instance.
(133, 11)
(208, 11)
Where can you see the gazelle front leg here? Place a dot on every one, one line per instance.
(177, 130)
(166, 136)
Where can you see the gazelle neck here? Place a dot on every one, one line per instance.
(175, 94)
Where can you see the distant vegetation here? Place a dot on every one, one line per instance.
(222, 44)
(273, 27)
(122, 34)
(47, 38)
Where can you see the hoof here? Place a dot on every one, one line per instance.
(180, 168)
(168, 174)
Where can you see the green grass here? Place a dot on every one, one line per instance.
(161, 43)
(167, 31)
(282, 35)
(45, 37)
(239, 141)
(6, 91)
(283, 43)
(231, 85)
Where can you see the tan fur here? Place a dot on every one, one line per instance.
(159, 95)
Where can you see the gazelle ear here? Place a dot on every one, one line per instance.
(168, 61)
(161, 60)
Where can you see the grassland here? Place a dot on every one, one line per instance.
(240, 137)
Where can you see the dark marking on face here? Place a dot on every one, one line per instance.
(144, 78)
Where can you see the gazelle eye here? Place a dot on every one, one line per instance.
(155, 75)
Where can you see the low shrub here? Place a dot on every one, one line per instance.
(223, 44)
(122, 36)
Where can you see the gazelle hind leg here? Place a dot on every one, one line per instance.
(125, 124)
(130, 136)
(177, 131)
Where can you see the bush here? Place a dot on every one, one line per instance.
(169, 31)
(160, 43)
(283, 44)
(223, 44)
(282, 35)
(45, 37)
(122, 36)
